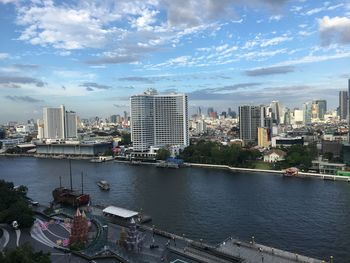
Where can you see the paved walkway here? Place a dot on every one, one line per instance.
(257, 253)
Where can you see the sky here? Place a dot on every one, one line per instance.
(92, 56)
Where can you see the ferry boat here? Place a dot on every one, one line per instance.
(66, 196)
(104, 185)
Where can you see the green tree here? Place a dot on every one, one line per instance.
(163, 154)
(14, 205)
(126, 139)
(24, 254)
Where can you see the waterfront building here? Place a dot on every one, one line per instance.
(249, 121)
(70, 124)
(73, 148)
(274, 155)
(159, 120)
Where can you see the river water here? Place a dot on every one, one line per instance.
(306, 216)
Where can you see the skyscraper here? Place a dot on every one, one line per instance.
(54, 123)
(70, 127)
(249, 121)
(343, 105)
(275, 112)
(158, 120)
(59, 124)
(322, 108)
(307, 109)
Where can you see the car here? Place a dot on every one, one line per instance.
(34, 203)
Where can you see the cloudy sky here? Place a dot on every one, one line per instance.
(92, 55)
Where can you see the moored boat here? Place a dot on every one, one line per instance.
(292, 171)
(63, 195)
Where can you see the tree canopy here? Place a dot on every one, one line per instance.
(14, 205)
(216, 153)
(24, 254)
(163, 154)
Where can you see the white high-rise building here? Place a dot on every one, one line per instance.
(159, 120)
(59, 124)
(54, 123)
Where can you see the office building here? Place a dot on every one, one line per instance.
(70, 127)
(264, 135)
(343, 105)
(159, 120)
(249, 121)
(321, 108)
(59, 124)
(307, 112)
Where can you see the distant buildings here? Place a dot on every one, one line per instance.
(57, 123)
(249, 121)
(343, 105)
(159, 120)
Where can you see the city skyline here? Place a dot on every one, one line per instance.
(92, 57)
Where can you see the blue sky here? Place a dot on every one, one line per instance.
(92, 55)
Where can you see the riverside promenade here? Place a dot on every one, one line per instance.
(278, 172)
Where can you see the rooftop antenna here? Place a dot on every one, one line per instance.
(70, 174)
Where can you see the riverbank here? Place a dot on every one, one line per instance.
(279, 172)
(329, 177)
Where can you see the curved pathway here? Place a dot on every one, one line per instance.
(4, 240)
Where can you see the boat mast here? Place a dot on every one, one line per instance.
(82, 183)
(70, 175)
(60, 181)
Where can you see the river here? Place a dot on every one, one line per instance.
(306, 216)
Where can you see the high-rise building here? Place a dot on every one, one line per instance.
(343, 105)
(159, 120)
(59, 124)
(54, 123)
(321, 108)
(307, 109)
(275, 112)
(264, 135)
(70, 127)
(249, 121)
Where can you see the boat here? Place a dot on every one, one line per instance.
(167, 165)
(104, 185)
(290, 172)
(102, 159)
(71, 197)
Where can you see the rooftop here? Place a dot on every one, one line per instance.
(120, 212)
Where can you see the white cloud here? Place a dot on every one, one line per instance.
(3, 56)
(275, 18)
(274, 41)
(336, 29)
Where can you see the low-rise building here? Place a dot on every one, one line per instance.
(274, 155)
